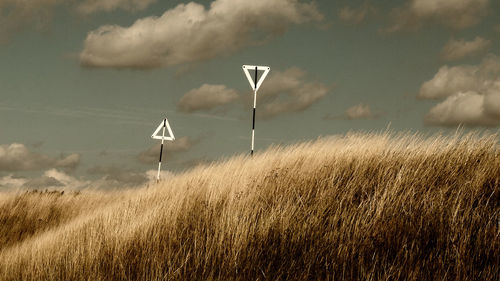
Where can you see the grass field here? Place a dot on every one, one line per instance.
(357, 207)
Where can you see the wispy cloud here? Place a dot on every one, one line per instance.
(355, 112)
(87, 7)
(458, 49)
(16, 15)
(356, 15)
(457, 14)
(114, 115)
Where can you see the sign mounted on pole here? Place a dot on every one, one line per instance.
(164, 125)
(255, 83)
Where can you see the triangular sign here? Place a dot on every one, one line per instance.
(256, 82)
(163, 125)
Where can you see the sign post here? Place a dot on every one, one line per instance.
(255, 83)
(163, 125)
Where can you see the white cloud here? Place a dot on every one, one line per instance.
(109, 177)
(456, 14)
(206, 98)
(190, 33)
(359, 111)
(458, 49)
(92, 6)
(17, 157)
(289, 91)
(467, 108)
(68, 181)
(50, 179)
(463, 78)
(355, 15)
(11, 182)
(471, 94)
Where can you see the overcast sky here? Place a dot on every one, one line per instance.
(84, 83)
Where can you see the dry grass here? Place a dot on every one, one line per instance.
(360, 207)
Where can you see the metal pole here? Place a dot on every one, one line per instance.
(161, 150)
(254, 106)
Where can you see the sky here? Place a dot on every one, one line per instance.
(84, 83)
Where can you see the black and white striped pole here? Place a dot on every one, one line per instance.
(255, 83)
(164, 125)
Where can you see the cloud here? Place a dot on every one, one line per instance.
(469, 109)
(11, 182)
(355, 15)
(113, 176)
(170, 149)
(463, 78)
(50, 179)
(152, 175)
(108, 178)
(207, 98)
(43, 182)
(288, 92)
(455, 14)
(471, 94)
(190, 33)
(359, 111)
(17, 14)
(69, 182)
(37, 14)
(458, 49)
(93, 6)
(17, 157)
(282, 92)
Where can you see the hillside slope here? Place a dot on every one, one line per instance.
(359, 207)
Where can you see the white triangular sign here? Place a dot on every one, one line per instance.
(163, 124)
(256, 84)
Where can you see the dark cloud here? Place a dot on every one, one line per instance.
(37, 14)
(357, 15)
(458, 49)
(288, 92)
(43, 182)
(283, 92)
(456, 14)
(190, 33)
(113, 176)
(86, 7)
(17, 157)
(170, 149)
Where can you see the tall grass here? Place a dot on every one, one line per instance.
(359, 207)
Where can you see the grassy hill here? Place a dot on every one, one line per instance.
(358, 207)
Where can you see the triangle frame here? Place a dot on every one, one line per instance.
(247, 68)
(164, 123)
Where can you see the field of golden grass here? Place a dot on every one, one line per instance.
(357, 207)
